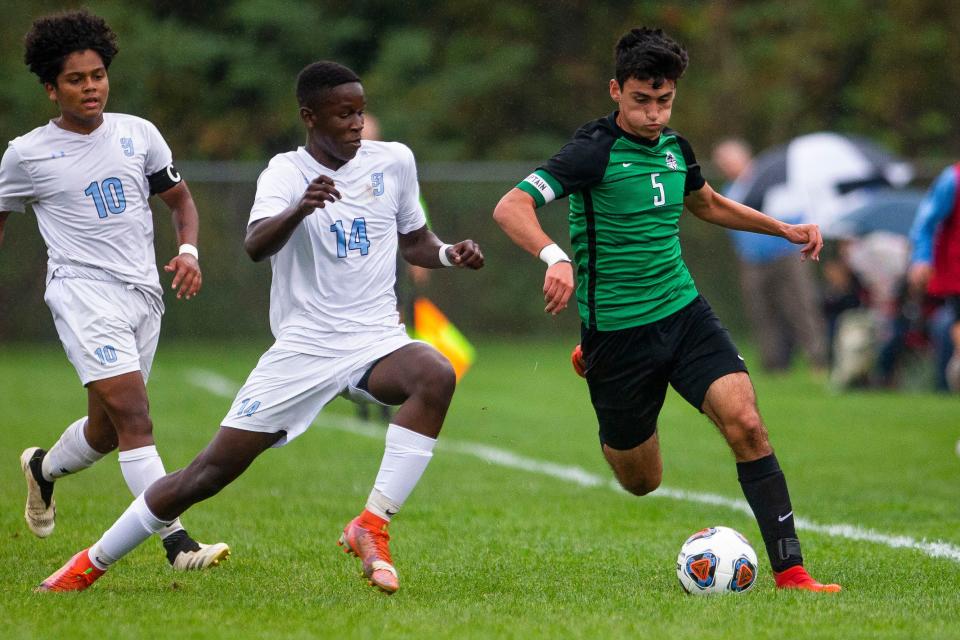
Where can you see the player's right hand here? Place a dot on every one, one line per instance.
(466, 253)
(557, 287)
(319, 192)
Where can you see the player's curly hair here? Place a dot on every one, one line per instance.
(319, 76)
(649, 54)
(52, 38)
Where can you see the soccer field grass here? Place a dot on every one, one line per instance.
(515, 530)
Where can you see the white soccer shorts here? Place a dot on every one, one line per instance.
(287, 389)
(107, 328)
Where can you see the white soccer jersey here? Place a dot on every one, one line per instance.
(89, 193)
(332, 289)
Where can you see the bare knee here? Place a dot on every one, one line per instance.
(746, 434)
(641, 485)
(436, 384)
(131, 421)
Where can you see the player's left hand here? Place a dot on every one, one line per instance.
(809, 236)
(466, 254)
(186, 275)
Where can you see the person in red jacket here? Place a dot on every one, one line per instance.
(935, 264)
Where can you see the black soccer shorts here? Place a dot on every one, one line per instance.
(628, 370)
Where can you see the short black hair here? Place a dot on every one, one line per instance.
(52, 38)
(649, 54)
(319, 77)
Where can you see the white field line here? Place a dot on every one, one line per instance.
(224, 387)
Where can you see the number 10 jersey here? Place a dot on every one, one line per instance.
(90, 194)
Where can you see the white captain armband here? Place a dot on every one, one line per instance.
(552, 254)
(164, 179)
(542, 186)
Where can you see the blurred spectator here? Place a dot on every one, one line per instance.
(935, 263)
(842, 292)
(880, 260)
(779, 291)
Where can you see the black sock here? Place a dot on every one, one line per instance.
(765, 488)
(179, 541)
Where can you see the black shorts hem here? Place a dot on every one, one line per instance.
(699, 394)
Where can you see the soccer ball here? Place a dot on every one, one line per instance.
(716, 560)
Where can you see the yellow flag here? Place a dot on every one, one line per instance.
(430, 325)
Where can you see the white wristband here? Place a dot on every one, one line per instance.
(444, 260)
(552, 254)
(189, 248)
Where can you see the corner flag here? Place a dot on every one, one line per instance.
(430, 325)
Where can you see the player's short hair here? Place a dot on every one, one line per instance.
(649, 54)
(52, 38)
(319, 77)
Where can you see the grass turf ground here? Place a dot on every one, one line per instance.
(484, 550)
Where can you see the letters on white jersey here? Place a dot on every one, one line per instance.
(332, 289)
(89, 193)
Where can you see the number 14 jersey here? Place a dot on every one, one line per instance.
(332, 290)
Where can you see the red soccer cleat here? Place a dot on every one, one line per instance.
(576, 359)
(78, 574)
(366, 537)
(796, 577)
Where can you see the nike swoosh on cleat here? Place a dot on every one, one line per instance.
(782, 518)
(627, 164)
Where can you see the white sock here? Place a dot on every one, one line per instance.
(71, 453)
(133, 527)
(141, 468)
(405, 458)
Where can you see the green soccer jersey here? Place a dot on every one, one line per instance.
(626, 196)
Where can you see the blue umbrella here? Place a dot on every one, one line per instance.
(890, 210)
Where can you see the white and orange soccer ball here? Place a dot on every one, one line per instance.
(716, 560)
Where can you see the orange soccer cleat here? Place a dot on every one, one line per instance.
(797, 578)
(78, 574)
(366, 537)
(576, 359)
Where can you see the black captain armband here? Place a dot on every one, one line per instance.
(164, 179)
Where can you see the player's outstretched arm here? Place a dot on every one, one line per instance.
(516, 214)
(185, 267)
(267, 236)
(710, 206)
(424, 249)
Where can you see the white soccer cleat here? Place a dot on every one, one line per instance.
(41, 510)
(207, 555)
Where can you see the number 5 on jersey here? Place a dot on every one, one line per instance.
(658, 200)
(358, 237)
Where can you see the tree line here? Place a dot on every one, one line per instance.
(500, 80)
